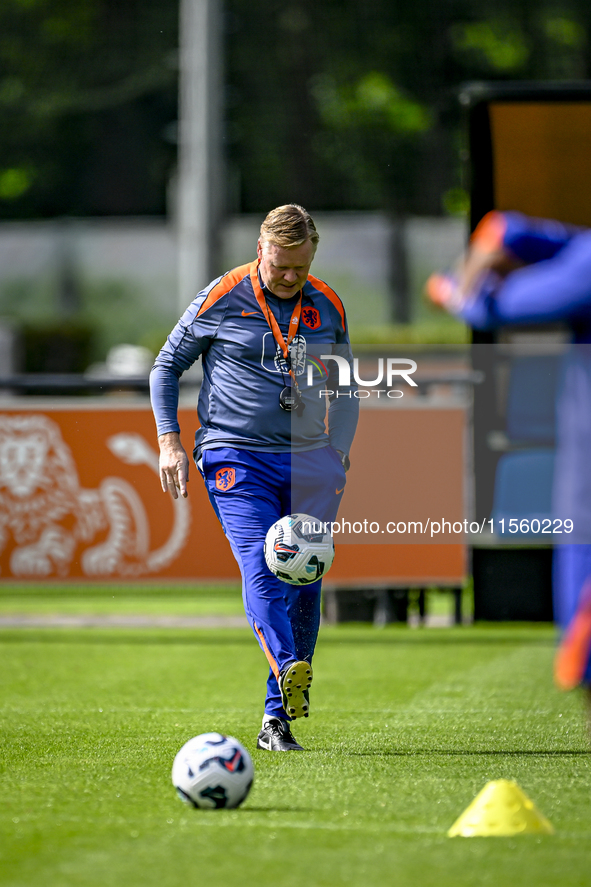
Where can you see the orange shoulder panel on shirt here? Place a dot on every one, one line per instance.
(330, 295)
(227, 282)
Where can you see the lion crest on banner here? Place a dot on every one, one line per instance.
(47, 515)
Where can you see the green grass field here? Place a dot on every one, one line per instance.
(120, 600)
(407, 726)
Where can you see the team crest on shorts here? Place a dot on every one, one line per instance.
(225, 479)
(311, 317)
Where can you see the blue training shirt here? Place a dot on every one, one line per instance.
(554, 285)
(244, 370)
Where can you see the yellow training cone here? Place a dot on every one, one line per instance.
(501, 808)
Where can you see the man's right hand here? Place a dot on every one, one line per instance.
(173, 465)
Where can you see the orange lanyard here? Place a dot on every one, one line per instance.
(294, 323)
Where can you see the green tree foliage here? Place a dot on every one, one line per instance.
(350, 104)
(86, 87)
(343, 104)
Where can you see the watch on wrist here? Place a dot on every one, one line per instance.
(345, 462)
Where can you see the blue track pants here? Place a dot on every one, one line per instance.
(250, 491)
(571, 570)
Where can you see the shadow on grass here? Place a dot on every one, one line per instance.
(488, 636)
(485, 636)
(441, 752)
(139, 636)
(272, 809)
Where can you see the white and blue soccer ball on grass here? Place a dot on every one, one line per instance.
(299, 549)
(212, 771)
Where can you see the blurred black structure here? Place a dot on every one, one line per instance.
(528, 151)
(382, 606)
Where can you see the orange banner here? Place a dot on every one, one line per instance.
(80, 499)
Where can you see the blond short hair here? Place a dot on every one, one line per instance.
(289, 225)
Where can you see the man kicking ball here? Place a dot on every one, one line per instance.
(263, 447)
